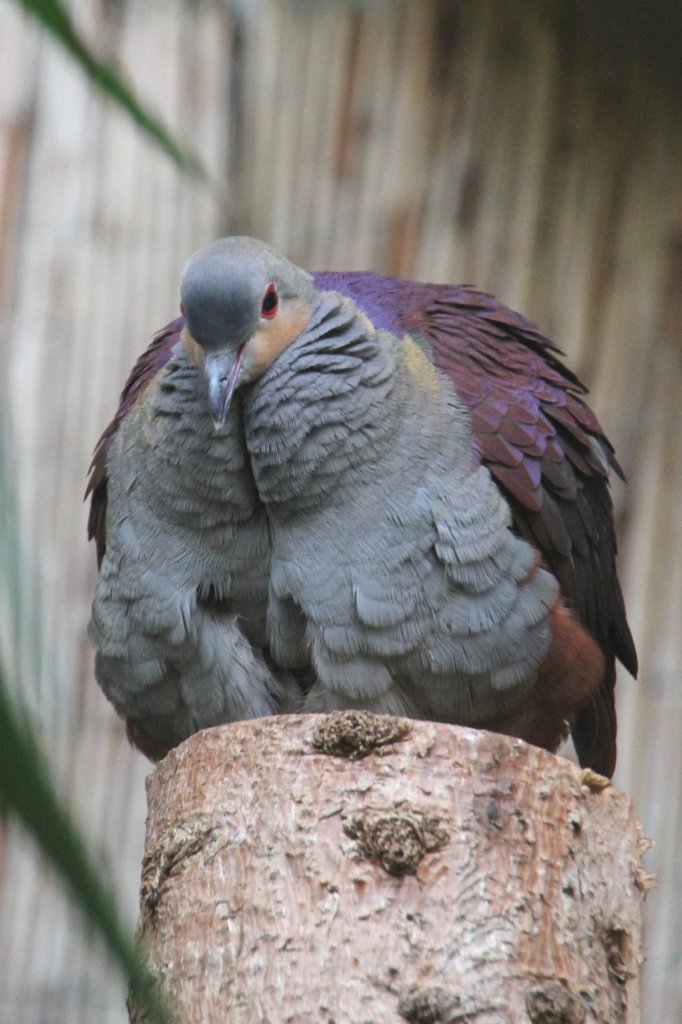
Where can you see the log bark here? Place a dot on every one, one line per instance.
(347, 869)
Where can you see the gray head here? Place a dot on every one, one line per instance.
(243, 304)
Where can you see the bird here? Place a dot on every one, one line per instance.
(429, 488)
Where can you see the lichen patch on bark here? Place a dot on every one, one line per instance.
(396, 840)
(431, 1005)
(553, 1003)
(593, 780)
(168, 858)
(355, 734)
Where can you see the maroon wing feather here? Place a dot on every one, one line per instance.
(542, 444)
(145, 369)
(548, 453)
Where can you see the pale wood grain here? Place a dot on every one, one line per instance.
(284, 882)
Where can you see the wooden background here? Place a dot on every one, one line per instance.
(529, 148)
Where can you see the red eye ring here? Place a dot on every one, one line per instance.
(270, 302)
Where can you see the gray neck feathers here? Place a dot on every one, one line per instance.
(184, 494)
(187, 471)
(347, 403)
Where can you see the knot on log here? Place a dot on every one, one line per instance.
(397, 841)
(168, 857)
(432, 1005)
(553, 1003)
(618, 954)
(355, 734)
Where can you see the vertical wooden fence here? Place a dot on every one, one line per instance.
(509, 144)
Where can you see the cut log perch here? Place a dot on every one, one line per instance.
(356, 869)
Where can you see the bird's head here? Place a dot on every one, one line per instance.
(243, 304)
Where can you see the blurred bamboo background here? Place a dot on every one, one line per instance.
(531, 148)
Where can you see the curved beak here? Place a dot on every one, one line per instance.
(222, 374)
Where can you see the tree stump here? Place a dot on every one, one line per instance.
(357, 869)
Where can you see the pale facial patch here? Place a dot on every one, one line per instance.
(273, 336)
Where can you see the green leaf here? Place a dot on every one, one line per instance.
(27, 791)
(55, 18)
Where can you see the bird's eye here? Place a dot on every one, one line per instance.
(268, 306)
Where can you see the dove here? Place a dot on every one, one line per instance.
(442, 541)
(356, 491)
